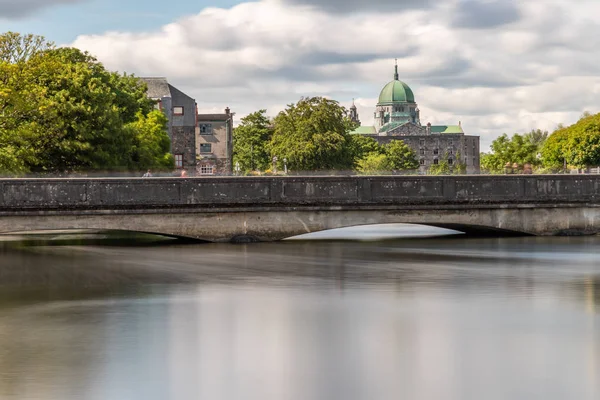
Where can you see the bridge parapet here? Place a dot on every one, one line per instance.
(47, 194)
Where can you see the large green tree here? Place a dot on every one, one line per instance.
(61, 111)
(251, 142)
(577, 145)
(313, 134)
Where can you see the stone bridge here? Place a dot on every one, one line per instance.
(273, 208)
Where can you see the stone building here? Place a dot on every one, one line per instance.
(200, 143)
(215, 143)
(397, 117)
(181, 113)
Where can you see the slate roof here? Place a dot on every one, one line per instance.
(158, 87)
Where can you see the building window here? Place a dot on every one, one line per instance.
(435, 161)
(450, 161)
(206, 129)
(205, 148)
(178, 160)
(422, 152)
(207, 170)
(178, 110)
(451, 143)
(450, 152)
(422, 142)
(466, 161)
(436, 152)
(474, 161)
(422, 161)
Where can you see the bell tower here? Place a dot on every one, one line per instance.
(354, 113)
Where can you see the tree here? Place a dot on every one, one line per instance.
(313, 134)
(537, 137)
(519, 149)
(373, 164)
(441, 168)
(362, 146)
(400, 156)
(251, 142)
(61, 110)
(577, 145)
(150, 148)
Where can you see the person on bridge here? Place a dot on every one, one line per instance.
(148, 174)
(183, 173)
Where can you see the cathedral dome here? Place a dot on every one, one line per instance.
(396, 92)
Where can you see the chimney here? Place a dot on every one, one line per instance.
(429, 128)
(227, 111)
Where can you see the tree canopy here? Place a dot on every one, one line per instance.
(313, 134)
(251, 142)
(392, 157)
(520, 149)
(62, 111)
(577, 145)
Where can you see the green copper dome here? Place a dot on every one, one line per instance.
(396, 92)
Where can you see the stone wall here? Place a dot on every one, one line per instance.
(266, 192)
(184, 142)
(439, 147)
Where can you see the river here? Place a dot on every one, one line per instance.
(422, 318)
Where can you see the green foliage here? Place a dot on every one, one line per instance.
(150, 148)
(578, 145)
(313, 134)
(400, 156)
(519, 149)
(373, 164)
(61, 111)
(251, 142)
(443, 167)
(360, 147)
(394, 156)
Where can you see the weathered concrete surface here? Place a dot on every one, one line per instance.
(221, 209)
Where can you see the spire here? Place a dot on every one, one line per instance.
(353, 105)
(396, 73)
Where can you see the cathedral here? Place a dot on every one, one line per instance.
(397, 117)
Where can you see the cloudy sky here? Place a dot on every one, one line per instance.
(496, 65)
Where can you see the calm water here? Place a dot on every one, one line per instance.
(452, 318)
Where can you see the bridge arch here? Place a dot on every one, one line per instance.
(276, 224)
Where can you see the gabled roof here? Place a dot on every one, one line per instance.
(158, 87)
(453, 129)
(364, 130)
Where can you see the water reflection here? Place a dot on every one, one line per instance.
(453, 319)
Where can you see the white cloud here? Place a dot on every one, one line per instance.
(536, 69)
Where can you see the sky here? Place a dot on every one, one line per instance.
(498, 66)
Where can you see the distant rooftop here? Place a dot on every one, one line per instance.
(455, 129)
(158, 87)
